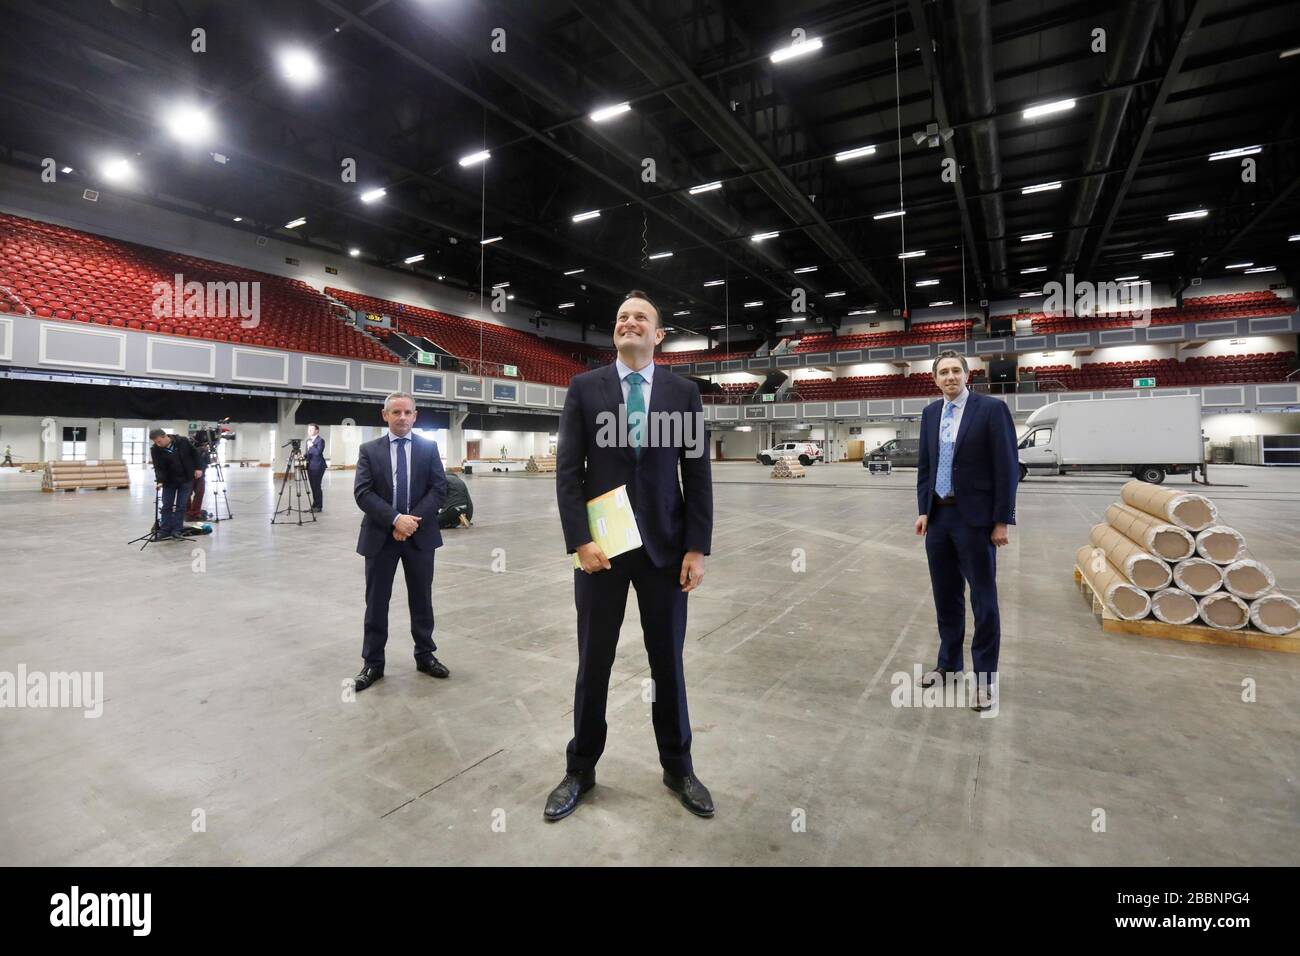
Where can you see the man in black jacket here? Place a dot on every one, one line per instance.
(175, 467)
(458, 510)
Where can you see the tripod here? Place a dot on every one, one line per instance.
(219, 493)
(151, 535)
(295, 473)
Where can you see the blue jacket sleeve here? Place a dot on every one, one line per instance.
(1006, 464)
(697, 483)
(923, 468)
(369, 500)
(571, 470)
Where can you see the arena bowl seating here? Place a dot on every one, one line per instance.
(1235, 305)
(53, 272)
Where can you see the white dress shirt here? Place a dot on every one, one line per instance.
(959, 406)
(648, 373)
(392, 464)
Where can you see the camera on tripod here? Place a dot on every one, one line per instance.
(207, 440)
(296, 444)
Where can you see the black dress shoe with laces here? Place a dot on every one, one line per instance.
(694, 795)
(367, 677)
(564, 798)
(937, 676)
(433, 667)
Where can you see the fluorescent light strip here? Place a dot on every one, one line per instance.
(753, 305)
(609, 112)
(354, 252)
(412, 260)
(481, 156)
(863, 312)
(891, 215)
(486, 242)
(662, 255)
(760, 236)
(716, 328)
(1295, 238)
(1240, 265)
(1192, 214)
(833, 295)
(795, 50)
(574, 272)
(1261, 269)
(791, 319)
(500, 285)
(584, 216)
(371, 195)
(295, 223)
(1157, 255)
(683, 312)
(1032, 269)
(848, 154)
(712, 282)
(1031, 295)
(925, 282)
(1234, 153)
(565, 305)
(803, 269)
(1043, 109)
(1125, 278)
(1040, 188)
(705, 188)
(935, 305)
(912, 255)
(1035, 236)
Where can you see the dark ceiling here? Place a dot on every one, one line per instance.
(410, 86)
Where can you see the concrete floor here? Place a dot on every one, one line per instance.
(223, 673)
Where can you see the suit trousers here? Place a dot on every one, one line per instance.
(314, 475)
(961, 554)
(417, 566)
(175, 499)
(601, 599)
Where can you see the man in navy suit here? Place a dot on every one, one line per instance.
(315, 455)
(966, 476)
(400, 485)
(630, 424)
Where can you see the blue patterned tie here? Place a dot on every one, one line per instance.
(943, 478)
(402, 497)
(636, 417)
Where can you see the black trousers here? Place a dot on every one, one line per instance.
(417, 566)
(601, 599)
(961, 554)
(314, 475)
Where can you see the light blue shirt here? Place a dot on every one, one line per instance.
(648, 373)
(392, 464)
(959, 406)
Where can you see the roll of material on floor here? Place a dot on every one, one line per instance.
(1183, 508)
(1275, 614)
(1159, 537)
(1248, 579)
(1224, 611)
(1221, 544)
(1125, 600)
(1141, 567)
(1198, 576)
(1175, 606)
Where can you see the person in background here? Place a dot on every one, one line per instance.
(315, 455)
(458, 510)
(9, 457)
(175, 467)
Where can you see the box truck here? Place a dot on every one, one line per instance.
(1147, 438)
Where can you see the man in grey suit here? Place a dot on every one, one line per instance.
(400, 485)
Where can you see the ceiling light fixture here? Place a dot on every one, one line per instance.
(299, 66)
(1240, 265)
(1261, 269)
(854, 153)
(482, 156)
(584, 216)
(295, 223)
(370, 195)
(1032, 269)
(1035, 236)
(705, 187)
(803, 48)
(803, 269)
(609, 112)
(1044, 109)
(1191, 214)
(925, 282)
(487, 242)
(1157, 255)
(1234, 153)
(574, 272)
(935, 305)
(760, 236)
(833, 295)
(662, 255)
(354, 252)
(412, 260)
(1040, 188)
(565, 305)
(912, 255)
(713, 282)
(890, 215)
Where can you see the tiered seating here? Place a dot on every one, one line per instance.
(1202, 309)
(922, 333)
(1198, 370)
(700, 355)
(919, 384)
(471, 341)
(59, 273)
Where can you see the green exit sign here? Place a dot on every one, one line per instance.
(512, 370)
(769, 397)
(425, 358)
(1144, 382)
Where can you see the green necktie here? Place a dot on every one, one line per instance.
(636, 413)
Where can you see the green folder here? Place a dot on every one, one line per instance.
(612, 523)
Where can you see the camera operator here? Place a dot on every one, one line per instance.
(203, 442)
(176, 465)
(315, 465)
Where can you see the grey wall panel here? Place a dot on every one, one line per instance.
(165, 355)
(789, 410)
(6, 340)
(761, 362)
(1279, 394)
(961, 348)
(881, 355)
(703, 367)
(916, 351)
(726, 413)
(81, 347)
(815, 410)
(1117, 336)
(1031, 343)
(880, 406)
(1124, 393)
(333, 374)
(558, 396)
(381, 378)
(849, 356)
(1270, 323)
(1211, 329)
(913, 406)
(1027, 403)
(787, 361)
(1068, 340)
(991, 347)
(467, 386)
(818, 358)
(847, 409)
(536, 394)
(754, 412)
(1224, 395)
(733, 365)
(430, 383)
(255, 365)
(1166, 333)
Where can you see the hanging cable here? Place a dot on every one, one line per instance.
(902, 217)
(645, 242)
(482, 249)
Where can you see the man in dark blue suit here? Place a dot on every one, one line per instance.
(315, 455)
(634, 425)
(966, 477)
(400, 485)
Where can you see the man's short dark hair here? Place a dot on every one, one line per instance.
(313, 425)
(156, 433)
(638, 294)
(949, 353)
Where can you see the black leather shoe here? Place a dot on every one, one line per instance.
(564, 798)
(937, 676)
(433, 667)
(695, 795)
(367, 677)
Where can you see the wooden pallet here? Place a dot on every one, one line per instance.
(787, 468)
(1189, 633)
(540, 463)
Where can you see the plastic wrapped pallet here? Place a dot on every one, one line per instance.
(1221, 544)
(1183, 508)
(1175, 606)
(1248, 579)
(1141, 567)
(1224, 611)
(1125, 600)
(1275, 614)
(1159, 537)
(1198, 576)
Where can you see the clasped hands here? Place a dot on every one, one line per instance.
(405, 526)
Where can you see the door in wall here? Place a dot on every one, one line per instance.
(856, 447)
(717, 450)
(472, 449)
(133, 445)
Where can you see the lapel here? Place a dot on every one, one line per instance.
(386, 465)
(967, 422)
(936, 420)
(613, 399)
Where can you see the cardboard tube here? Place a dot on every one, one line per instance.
(1175, 606)
(1124, 600)
(1248, 579)
(1275, 614)
(1187, 510)
(1221, 544)
(1198, 576)
(1159, 537)
(1225, 611)
(1141, 567)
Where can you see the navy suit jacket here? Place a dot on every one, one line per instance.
(373, 490)
(673, 517)
(985, 465)
(315, 453)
